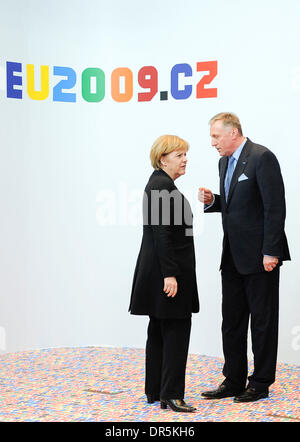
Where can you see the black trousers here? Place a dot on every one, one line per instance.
(166, 357)
(253, 296)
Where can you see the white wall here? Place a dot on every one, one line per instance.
(65, 278)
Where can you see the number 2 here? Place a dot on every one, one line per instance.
(68, 83)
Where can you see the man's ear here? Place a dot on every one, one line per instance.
(235, 132)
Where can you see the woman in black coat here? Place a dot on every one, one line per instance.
(164, 283)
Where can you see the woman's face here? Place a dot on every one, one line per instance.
(174, 163)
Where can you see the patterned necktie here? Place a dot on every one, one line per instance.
(229, 174)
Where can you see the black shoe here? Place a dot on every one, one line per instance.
(251, 395)
(176, 405)
(221, 392)
(151, 398)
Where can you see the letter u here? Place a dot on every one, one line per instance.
(44, 92)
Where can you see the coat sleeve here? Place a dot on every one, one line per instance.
(271, 189)
(165, 250)
(162, 224)
(215, 206)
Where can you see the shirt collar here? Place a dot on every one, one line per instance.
(238, 151)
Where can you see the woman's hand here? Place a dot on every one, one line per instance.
(170, 287)
(270, 262)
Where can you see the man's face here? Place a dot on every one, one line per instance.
(222, 138)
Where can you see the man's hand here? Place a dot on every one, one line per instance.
(270, 262)
(205, 196)
(170, 287)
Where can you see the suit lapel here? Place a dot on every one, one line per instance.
(239, 169)
(223, 168)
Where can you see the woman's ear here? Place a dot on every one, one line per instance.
(162, 163)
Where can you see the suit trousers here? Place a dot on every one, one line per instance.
(254, 296)
(166, 357)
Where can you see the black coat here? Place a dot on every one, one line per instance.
(254, 215)
(167, 250)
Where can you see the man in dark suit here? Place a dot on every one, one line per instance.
(252, 204)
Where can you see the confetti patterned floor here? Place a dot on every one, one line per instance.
(106, 385)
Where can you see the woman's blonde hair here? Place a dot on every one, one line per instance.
(164, 145)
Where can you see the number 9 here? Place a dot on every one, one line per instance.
(147, 83)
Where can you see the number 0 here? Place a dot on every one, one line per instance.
(116, 94)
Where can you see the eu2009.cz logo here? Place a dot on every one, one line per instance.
(122, 85)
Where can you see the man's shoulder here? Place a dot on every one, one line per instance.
(257, 150)
(256, 147)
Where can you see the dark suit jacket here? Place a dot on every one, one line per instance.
(167, 249)
(254, 215)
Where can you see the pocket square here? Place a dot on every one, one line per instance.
(242, 177)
